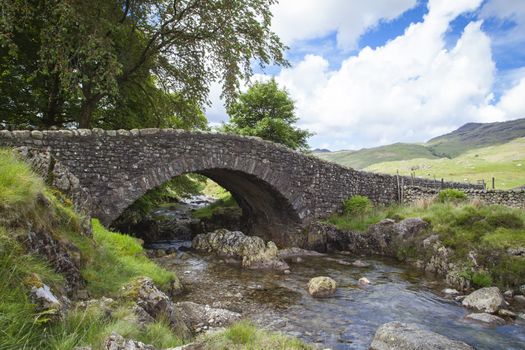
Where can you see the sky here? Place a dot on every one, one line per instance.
(375, 72)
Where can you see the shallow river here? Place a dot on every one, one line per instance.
(350, 318)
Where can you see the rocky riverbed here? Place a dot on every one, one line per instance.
(347, 320)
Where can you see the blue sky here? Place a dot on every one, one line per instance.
(382, 71)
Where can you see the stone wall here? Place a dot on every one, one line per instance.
(512, 198)
(276, 187)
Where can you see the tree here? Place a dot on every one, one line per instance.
(91, 52)
(267, 111)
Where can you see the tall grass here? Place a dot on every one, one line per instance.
(115, 260)
(244, 335)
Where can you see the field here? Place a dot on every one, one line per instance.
(506, 163)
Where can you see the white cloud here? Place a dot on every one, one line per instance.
(507, 10)
(307, 19)
(411, 89)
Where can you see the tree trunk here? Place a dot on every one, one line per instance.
(86, 110)
(55, 103)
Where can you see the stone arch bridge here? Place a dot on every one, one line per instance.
(279, 190)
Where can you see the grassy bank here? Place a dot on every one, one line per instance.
(487, 230)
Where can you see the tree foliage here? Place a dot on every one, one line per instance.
(267, 111)
(94, 62)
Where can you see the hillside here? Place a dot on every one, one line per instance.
(467, 137)
(475, 135)
(504, 162)
(368, 156)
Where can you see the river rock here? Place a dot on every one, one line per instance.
(154, 302)
(520, 299)
(487, 299)
(293, 252)
(322, 287)
(521, 289)
(252, 250)
(360, 263)
(116, 342)
(450, 291)
(363, 281)
(402, 336)
(506, 313)
(486, 318)
(197, 315)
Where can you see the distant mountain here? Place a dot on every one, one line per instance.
(321, 150)
(476, 135)
(467, 137)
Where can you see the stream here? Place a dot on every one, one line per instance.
(349, 319)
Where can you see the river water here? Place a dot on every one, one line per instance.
(350, 318)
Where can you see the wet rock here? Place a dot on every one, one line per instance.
(521, 316)
(486, 318)
(508, 294)
(339, 261)
(402, 336)
(487, 299)
(450, 291)
(506, 313)
(521, 289)
(199, 316)
(520, 299)
(322, 287)
(116, 342)
(363, 281)
(154, 302)
(294, 252)
(254, 252)
(360, 263)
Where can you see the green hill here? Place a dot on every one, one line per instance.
(506, 163)
(367, 156)
(476, 135)
(469, 136)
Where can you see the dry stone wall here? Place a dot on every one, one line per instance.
(512, 198)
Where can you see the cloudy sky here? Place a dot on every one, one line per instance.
(368, 73)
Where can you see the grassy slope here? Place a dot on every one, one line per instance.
(499, 161)
(476, 135)
(110, 261)
(464, 227)
(367, 156)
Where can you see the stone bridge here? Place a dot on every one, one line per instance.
(279, 190)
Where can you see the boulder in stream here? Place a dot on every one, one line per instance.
(488, 319)
(252, 250)
(321, 287)
(487, 299)
(403, 336)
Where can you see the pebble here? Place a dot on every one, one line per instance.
(450, 291)
(287, 272)
(363, 281)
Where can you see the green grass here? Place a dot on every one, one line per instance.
(506, 163)
(489, 230)
(244, 335)
(109, 261)
(115, 260)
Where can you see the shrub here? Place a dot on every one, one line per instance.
(482, 279)
(507, 220)
(357, 205)
(451, 195)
